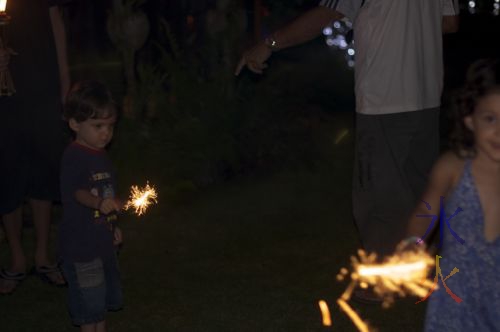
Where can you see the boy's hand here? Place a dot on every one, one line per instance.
(117, 236)
(109, 205)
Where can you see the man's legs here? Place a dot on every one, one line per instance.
(394, 154)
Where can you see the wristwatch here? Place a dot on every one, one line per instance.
(271, 42)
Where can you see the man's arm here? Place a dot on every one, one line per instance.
(306, 27)
(450, 24)
(451, 11)
(61, 48)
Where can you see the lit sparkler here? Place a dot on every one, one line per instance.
(325, 313)
(404, 273)
(141, 198)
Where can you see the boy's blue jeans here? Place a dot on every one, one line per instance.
(94, 287)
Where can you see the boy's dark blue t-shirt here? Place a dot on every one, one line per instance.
(85, 233)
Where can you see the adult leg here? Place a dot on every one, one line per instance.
(94, 327)
(45, 153)
(9, 279)
(101, 326)
(13, 224)
(88, 328)
(41, 219)
(13, 179)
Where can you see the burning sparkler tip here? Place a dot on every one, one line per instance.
(141, 199)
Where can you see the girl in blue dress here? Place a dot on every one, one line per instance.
(468, 179)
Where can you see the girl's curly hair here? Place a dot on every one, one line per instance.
(482, 78)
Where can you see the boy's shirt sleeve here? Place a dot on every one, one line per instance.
(74, 176)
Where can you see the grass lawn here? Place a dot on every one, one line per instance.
(255, 254)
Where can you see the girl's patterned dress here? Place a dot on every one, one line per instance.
(478, 282)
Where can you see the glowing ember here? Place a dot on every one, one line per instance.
(141, 199)
(362, 326)
(402, 274)
(343, 133)
(325, 313)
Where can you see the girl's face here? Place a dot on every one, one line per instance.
(94, 133)
(485, 124)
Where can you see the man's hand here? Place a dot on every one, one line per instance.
(254, 59)
(109, 205)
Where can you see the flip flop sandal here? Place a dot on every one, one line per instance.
(12, 278)
(43, 273)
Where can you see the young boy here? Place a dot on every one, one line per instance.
(87, 234)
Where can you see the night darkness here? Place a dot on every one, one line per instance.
(254, 215)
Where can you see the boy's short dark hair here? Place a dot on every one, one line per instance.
(89, 100)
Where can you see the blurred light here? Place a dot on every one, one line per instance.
(335, 35)
(472, 4)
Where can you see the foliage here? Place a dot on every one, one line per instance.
(201, 125)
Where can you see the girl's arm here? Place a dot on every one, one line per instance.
(443, 177)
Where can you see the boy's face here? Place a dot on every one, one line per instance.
(94, 133)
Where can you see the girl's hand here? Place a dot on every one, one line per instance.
(108, 205)
(117, 236)
(412, 243)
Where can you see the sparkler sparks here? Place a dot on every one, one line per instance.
(141, 198)
(325, 313)
(402, 274)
